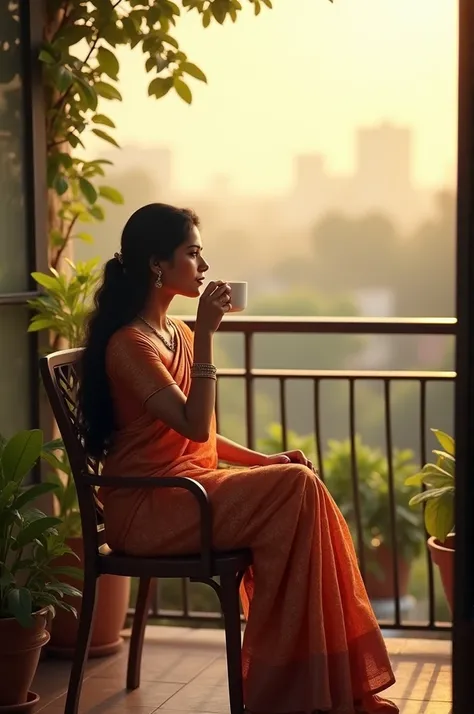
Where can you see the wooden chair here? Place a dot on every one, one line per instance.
(60, 377)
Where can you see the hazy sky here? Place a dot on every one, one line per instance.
(301, 78)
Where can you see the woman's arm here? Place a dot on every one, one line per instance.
(232, 453)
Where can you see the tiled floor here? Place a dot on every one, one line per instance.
(184, 672)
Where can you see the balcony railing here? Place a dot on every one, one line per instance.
(249, 329)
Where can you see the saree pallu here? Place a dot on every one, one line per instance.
(311, 642)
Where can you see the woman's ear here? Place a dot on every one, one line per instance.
(155, 266)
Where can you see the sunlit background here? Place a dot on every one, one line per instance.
(321, 158)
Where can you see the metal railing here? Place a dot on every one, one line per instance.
(249, 328)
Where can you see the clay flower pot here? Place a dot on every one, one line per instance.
(442, 555)
(20, 649)
(113, 595)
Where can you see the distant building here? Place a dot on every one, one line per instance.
(382, 181)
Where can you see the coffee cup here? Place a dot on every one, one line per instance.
(238, 295)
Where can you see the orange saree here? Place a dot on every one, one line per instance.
(311, 643)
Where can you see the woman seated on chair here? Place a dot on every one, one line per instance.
(312, 642)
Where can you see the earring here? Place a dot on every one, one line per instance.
(158, 281)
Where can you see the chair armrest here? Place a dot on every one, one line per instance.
(188, 484)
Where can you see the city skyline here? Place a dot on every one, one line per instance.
(288, 83)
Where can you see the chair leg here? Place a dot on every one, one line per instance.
(230, 603)
(138, 634)
(82, 643)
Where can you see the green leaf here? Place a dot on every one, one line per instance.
(87, 93)
(69, 570)
(106, 137)
(268, 3)
(414, 480)
(446, 441)
(206, 18)
(88, 190)
(36, 528)
(63, 589)
(21, 453)
(97, 212)
(108, 62)
(439, 516)
(183, 90)
(219, 10)
(159, 87)
(46, 57)
(63, 79)
(53, 445)
(431, 495)
(66, 606)
(60, 184)
(102, 119)
(7, 493)
(193, 71)
(72, 34)
(41, 323)
(46, 281)
(111, 194)
(20, 605)
(85, 237)
(108, 91)
(32, 493)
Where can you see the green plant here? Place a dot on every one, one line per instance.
(29, 540)
(66, 303)
(374, 495)
(65, 494)
(438, 480)
(273, 442)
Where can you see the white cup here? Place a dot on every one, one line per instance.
(238, 295)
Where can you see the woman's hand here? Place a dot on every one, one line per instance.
(213, 304)
(291, 457)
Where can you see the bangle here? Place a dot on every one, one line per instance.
(203, 370)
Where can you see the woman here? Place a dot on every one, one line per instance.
(312, 643)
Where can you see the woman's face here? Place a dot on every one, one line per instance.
(184, 274)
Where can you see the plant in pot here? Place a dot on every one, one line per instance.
(438, 482)
(32, 583)
(374, 499)
(63, 308)
(113, 594)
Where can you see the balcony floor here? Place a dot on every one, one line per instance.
(184, 672)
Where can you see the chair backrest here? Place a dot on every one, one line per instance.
(60, 374)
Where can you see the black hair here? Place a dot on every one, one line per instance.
(153, 232)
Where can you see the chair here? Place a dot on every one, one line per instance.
(60, 377)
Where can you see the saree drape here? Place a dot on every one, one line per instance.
(311, 642)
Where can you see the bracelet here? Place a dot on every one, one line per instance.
(202, 370)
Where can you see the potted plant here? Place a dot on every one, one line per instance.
(437, 497)
(374, 499)
(113, 593)
(32, 585)
(63, 308)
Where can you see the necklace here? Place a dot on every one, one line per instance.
(170, 345)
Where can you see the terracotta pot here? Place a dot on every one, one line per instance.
(380, 583)
(113, 597)
(442, 555)
(20, 649)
